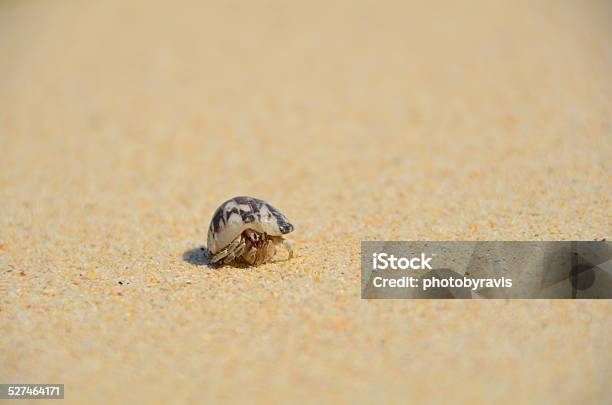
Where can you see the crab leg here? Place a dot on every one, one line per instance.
(221, 255)
(288, 244)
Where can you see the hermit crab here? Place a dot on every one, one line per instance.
(248, 230)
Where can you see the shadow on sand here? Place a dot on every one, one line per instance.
(197, 256)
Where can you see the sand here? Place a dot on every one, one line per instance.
(123, 125)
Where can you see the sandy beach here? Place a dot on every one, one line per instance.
(123, 125)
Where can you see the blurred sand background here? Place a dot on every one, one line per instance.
(123, 125)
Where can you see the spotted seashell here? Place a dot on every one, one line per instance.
(239, 214)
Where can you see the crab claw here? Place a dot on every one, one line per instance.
(288, 244)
